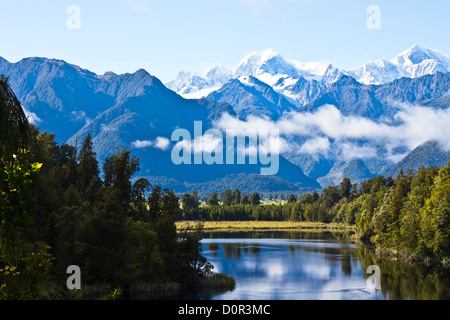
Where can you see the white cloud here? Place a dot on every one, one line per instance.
(274, 144)
(32, 117)
(159, 143)
(412, 126)
(316, 146)
(138, 144)
(206, 143)
(351, 151)
(421, 124)
(329, 121)
(162, 143)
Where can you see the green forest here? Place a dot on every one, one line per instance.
(56, 211)
(407, 216)
(59, 208)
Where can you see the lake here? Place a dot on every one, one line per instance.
(288, 265)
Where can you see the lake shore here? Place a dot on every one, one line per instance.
(265, 225)
(414, 259)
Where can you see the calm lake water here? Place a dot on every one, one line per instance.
(302, 266)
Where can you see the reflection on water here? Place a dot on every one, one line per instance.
(301, 266)
(401, 281)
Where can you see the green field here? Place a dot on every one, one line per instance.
(265, 225)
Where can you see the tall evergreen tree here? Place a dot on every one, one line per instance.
(346, 188)
(436, 215)
(139, 199)
(103, 235)
(255, 199)
(195, 199)
(292, 198)
(236, 196)
(118, 170)
(154, 202)
(88, 171)
(14, 126)
(227, 199)
(245, 200)
(171, 204)
(213, 200)
(189, 202)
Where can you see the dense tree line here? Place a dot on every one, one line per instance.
(57, 211)
(234, 206)
(59, 208)
(408, 215)
(412, 217)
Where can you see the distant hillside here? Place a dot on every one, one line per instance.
(428, 154)
(137, 111)
(246, 183)
(375, 101)
(356, 170)
(250, 96)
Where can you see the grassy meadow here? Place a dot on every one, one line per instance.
(265, 225)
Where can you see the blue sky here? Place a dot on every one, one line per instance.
(167, 36)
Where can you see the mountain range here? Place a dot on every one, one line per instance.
(270, 67)
(136, 110)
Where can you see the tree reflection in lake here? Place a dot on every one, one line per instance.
(401, 280)
(298, 265)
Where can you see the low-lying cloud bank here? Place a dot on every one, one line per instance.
(327, 128)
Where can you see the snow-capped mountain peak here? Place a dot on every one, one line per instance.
(268, 61)
(220, 73)
(322, 72)
(271, 68)
(412, 63)
(417, 54)
(193, 85)
(257, 59)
